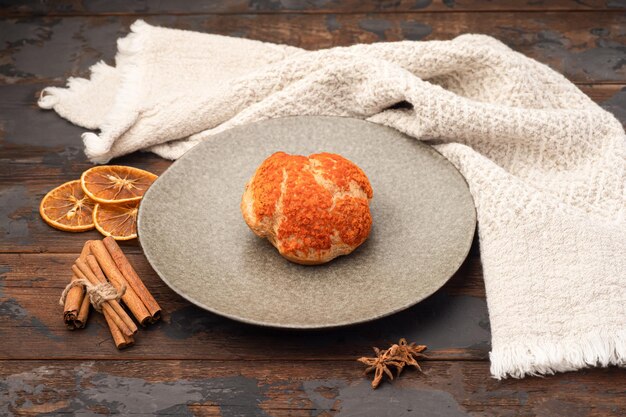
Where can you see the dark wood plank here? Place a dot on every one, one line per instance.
(614, 102)
(39, 150)
(453, 322)
(195, 362)
(607, 96)
(311, 388)
(85, 7)
(587, 47)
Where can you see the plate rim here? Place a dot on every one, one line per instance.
(295, 326)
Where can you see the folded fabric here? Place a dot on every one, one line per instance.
(545, 165)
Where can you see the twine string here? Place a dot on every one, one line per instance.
(98, 294)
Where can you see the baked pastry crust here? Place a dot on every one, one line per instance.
(312, 209)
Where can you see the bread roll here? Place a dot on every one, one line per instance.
(312, 209)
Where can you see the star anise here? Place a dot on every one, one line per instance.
(409, 353)
(397, 356)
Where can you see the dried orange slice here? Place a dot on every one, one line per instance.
(117, 220)
(113, 184)
(67, 208)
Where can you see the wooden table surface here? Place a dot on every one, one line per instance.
(195, 362)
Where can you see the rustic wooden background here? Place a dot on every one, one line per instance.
(197, 363)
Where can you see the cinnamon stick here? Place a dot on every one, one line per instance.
(119, 339)
(75, 296)
(72, 304)
(82, 270)
(95, 268)
(130, 297)
(83, 313)
(131, 277)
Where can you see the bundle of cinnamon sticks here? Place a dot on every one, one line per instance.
(103, 261)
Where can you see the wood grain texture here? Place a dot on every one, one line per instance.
(197, 363)
(585, 47)
(118, 7)
(39, 151)
(453, 322)
(298, 388)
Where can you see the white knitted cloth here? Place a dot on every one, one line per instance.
(546, 166)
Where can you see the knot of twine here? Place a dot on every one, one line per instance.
(98, 294)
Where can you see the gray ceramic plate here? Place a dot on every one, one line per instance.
(194, 236)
